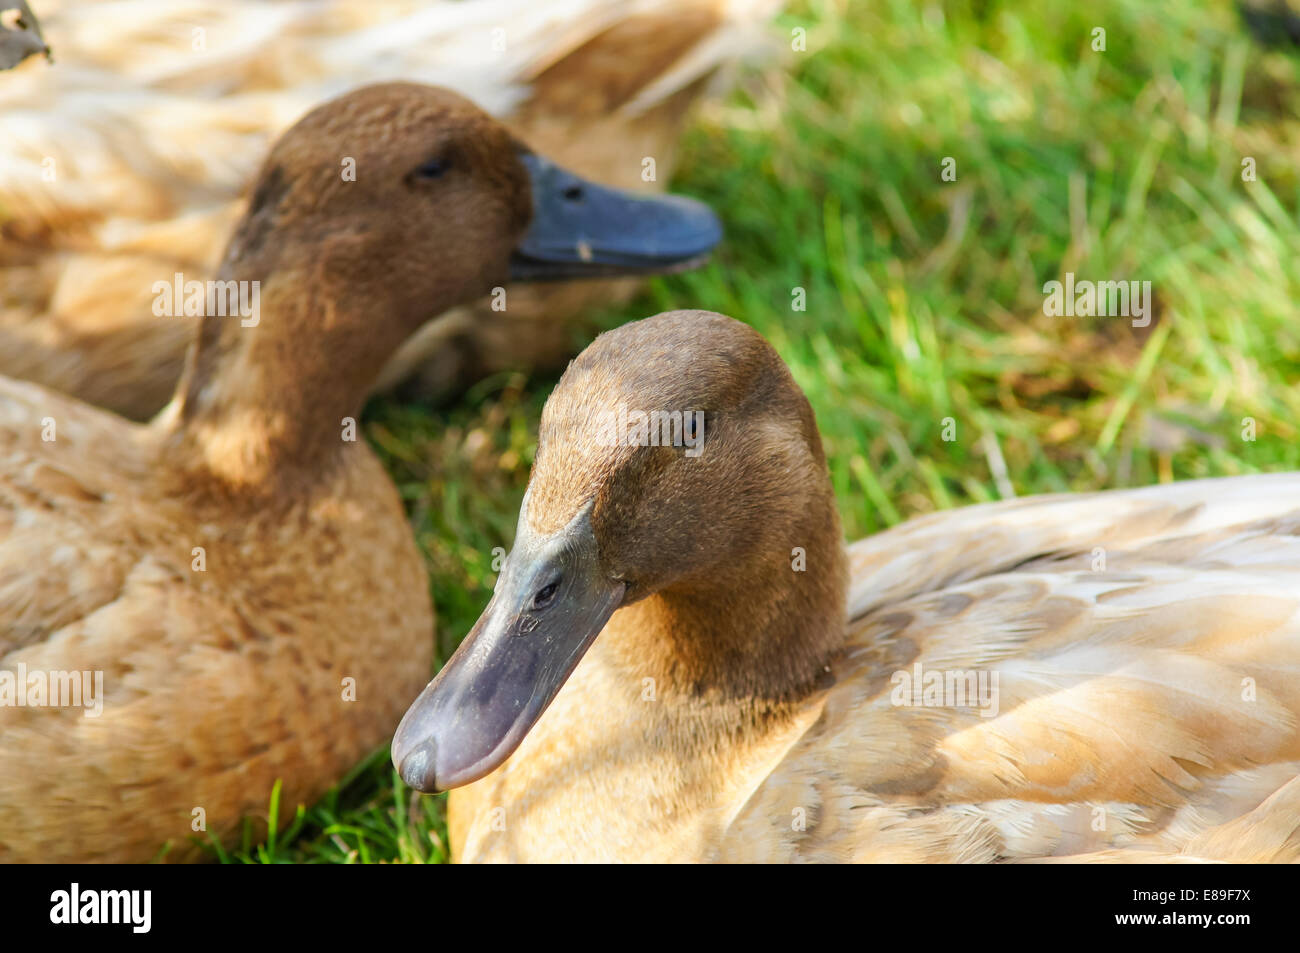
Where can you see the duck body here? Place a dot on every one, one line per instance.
(1120, 722)
(227, 635)
(131, 160)
(1129, 660)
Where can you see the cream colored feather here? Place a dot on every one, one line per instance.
(1149, 707)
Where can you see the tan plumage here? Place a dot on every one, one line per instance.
(215, 683)
(1146, 644)
(127, 160)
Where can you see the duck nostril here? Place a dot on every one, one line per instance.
(546, 595)
(573, 193)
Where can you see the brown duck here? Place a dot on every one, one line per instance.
(681, 661)
(237, 579)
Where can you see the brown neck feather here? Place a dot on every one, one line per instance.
(754, 637)
(266, 407)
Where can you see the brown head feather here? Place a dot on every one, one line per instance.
(708, 544)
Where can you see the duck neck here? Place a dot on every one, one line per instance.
(752, 638)
(272, 397)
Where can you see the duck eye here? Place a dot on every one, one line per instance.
(546, 595)
(433, 169)
(573, 193)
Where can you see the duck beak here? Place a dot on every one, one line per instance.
(583, 230)
(23, 39)
(519, 654)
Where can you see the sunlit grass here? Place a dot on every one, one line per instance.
(924, 297)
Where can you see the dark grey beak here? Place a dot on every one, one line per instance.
(582, 230)
(20, 34)
(551, 602)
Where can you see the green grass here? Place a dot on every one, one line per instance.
(924, 297)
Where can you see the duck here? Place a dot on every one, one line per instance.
(134, 154)
(682, 661)
(230, 596)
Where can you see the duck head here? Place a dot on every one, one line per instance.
(420, 173)
(372, 213)
(678, 472)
